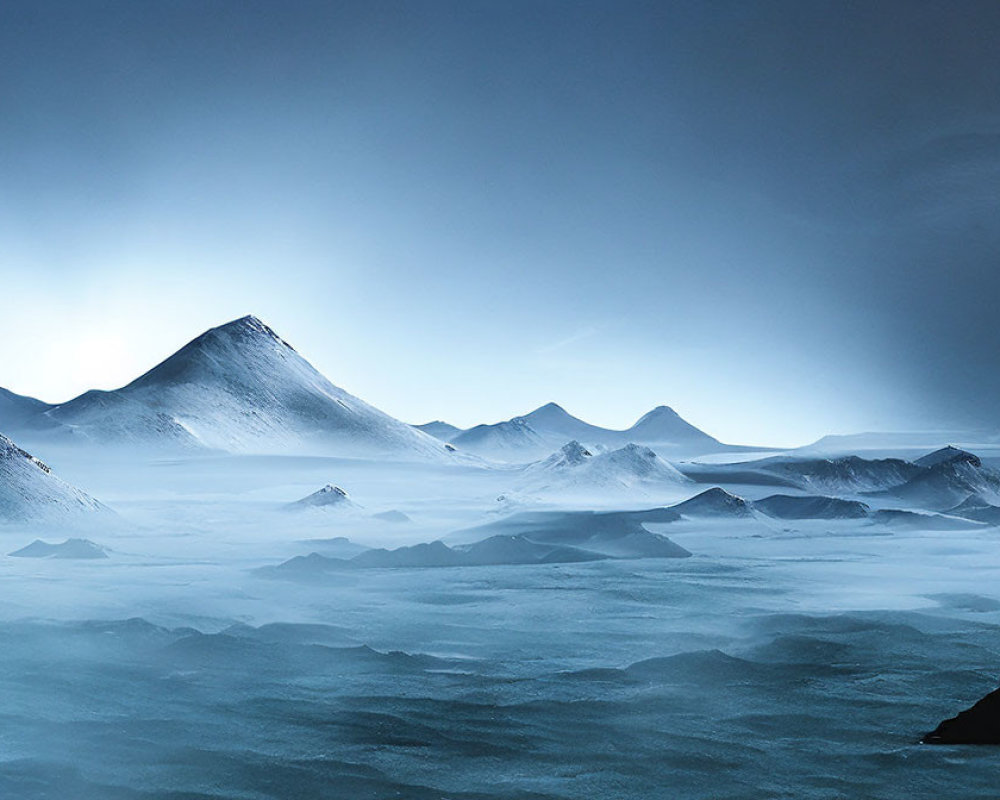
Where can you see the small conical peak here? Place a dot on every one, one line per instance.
(10, 451)
(549, 410)
(714, 501)
(574, 452)
(331, 489)
(659, 411)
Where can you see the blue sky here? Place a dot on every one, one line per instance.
(776, 217)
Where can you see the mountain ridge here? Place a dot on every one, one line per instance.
(239, 387)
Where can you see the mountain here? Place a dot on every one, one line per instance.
(241, 388)
(846, 475)
(783, 506)
(843, 444)
(949, 455)
(552, 420)
(569, 456)
(663, 425)
(574, 468)
(612, 534)
(504, 440)
(977, 508)
(328, 497)
(71, 548)
(550, 426)
(18, 411)
(30, 492)
(439, 430)
(946, 478)
(713, 504)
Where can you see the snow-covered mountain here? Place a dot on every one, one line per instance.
(69, 549)
(508, 441)
(946, 478)
(439, 430)
(329, 497)
(552, 420)
(573, 468)
(569, 456)
(714, 503)
(664, 426)
(29, 491)
(240, 388)
(547, 427)
(847, 475)
(784, 506)
(19, 413)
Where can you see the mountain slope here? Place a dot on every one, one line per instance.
(847, 475)
(784, 506)
(18, 412)
(439, 430)
(663, 425)
(946, 478)
(30, 492)
(552, 420)
(241, 388)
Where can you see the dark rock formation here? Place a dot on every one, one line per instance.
(977, 725)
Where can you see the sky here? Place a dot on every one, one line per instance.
(779, 218)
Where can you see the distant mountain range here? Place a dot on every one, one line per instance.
(546, 428)
(938, 481)
(241, 388)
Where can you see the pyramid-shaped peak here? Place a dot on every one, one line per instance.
(663, 424)
(550, 409)
(248, 326)
(326, 497)
(948, 455)
(659, 412)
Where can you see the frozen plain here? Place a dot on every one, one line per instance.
(783, 659)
